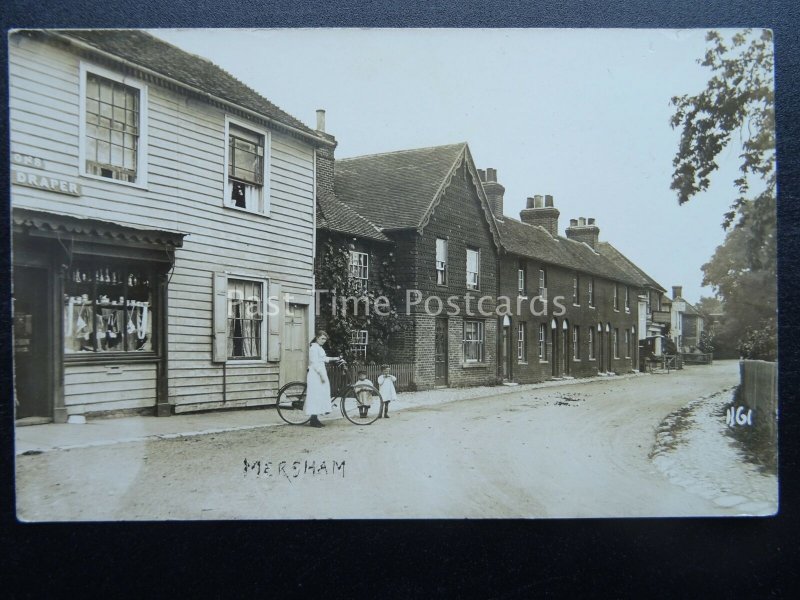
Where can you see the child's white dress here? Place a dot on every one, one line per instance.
(386, 387)
(364, 395)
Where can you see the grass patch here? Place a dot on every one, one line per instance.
(669, 434)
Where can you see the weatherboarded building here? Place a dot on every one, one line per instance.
(158, 204)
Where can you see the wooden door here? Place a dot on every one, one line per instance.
(294, 355)
(554, 357)
(567, 351)
(440, 355)
(32, 362)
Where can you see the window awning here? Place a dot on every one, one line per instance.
(76, 230)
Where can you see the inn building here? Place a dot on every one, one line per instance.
(163, 230)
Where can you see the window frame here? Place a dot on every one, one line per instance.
(86, 68)
(576, 342)
(522, 280)
(590, 290)
(627, 343)
(363, 282)
(265, 198)
(522, 343)
(542, 283)
(264, 282)
(443, 270)
(355, 341)
(615, 342)
(615, 302)
(477, 273)
(590, 340)
(480, 341)
(576, 289)
(542, 342)
(627, 299)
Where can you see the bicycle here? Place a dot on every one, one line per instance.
(359, 403)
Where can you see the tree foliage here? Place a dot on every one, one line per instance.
(738, 101)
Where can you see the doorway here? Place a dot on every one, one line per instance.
(440, 353)
(554, 350)
(295, 345)
(567, 349)
(33, 398)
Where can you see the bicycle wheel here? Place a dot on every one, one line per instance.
(361, 405)
(291, 401)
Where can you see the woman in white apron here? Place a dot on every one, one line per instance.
(318, 387)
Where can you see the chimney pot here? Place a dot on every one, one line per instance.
(482, 174)
(677, 291)
(548, 200)
(538, 201)
(491, 174)
(581, 221)
(590, 221)
(321, 120)
(573, 222)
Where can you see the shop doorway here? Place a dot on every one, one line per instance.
(33, 341)
(294, 354)
(554, 347)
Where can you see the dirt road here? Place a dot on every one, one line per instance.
(566, 451)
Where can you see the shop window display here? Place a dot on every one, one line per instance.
(108, 308)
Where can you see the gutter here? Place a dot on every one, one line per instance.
(88, 47)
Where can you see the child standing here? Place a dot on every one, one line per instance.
(363, 394)
(386, 387)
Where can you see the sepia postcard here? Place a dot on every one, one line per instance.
(393, 273)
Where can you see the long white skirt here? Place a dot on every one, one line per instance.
(318, 394)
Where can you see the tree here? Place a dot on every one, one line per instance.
(738, 100)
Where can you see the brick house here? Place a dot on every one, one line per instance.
(430, 203)
(573, 311)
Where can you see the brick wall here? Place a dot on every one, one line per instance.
(325, 167)
(560, 284)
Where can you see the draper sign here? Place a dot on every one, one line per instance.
(43, 182)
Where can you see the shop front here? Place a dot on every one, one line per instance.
(90, 317)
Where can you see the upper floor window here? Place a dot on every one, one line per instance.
(521, 287)
(359, 269)
(473, 268)
(576, 289)
(616, 297)
(627, 299)
(245, 159)
(590, 289)
(113, 131)
(542, 283)
(441, 261)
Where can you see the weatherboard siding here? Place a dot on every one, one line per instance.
(184, 192)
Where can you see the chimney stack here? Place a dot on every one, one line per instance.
(677, 291)
(325, 160)
(583, 230)
(494, 191)
(540, 210)
(321, 120)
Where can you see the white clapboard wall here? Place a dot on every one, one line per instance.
(185, 179)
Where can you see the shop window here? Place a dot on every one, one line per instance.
(113, 127)
(108, 307)
(246, 169)
(474, 342)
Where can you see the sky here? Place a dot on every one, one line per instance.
(580, 114)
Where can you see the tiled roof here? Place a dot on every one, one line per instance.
(535, 242)
(625, 263)
(334, 215)
(95, 229)
(148, 51)
(396, 190)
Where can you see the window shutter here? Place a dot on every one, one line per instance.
(220, 325)
(275, 323)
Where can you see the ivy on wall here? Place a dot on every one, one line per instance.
(332, 273)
